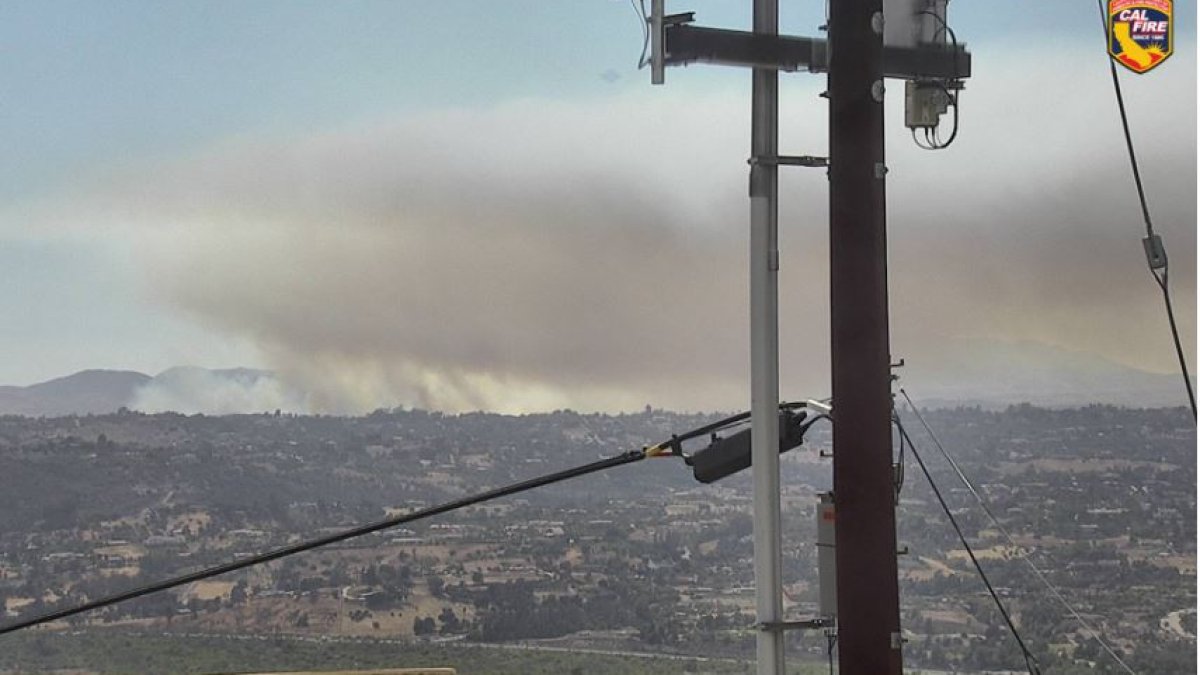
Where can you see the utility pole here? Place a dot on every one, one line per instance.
(869, 638)
(867, 616)
(764, 351)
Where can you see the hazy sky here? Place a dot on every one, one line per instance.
(484, 204)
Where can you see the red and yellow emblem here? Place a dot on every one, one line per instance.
(1140, 33)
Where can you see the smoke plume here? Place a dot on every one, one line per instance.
(593, 255)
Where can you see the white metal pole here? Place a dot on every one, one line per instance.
(764, 352)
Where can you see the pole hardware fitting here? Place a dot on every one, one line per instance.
(679, 19)
(677, 42)
(877, 23)
(675, 445)
(877, 91)
(903, 550)
(898, 640)
(880, 170)
(825, 453)
(1156, 254)
(789, 160)
(804, 624)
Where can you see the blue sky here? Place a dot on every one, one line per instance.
(91, 84)
(96, 90)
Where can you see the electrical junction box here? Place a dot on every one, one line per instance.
(729, 455)
(924, 104)
(826, 558)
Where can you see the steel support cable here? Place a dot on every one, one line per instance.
(541, 481)
(664, 448)
(1037, 572)
(1159, 277)
(1031, 662)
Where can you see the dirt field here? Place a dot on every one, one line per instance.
(190, 522)
(127, 571)
(13, 604)
(993, 553)
(207, 590)
(126, 551)
(932, 569)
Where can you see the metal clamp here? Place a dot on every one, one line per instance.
(790, 160)
(806, 624)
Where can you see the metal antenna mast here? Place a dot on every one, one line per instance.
(764, 351)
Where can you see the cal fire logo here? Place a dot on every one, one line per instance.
(1140, 33)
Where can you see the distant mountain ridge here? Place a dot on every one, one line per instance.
(88, 391)
(99, 392)
(995, 373)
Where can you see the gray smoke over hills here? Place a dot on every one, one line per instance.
(544, 255)
(191, 390)
(988, 374)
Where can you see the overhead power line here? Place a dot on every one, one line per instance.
(1031, 662)
(611, 462)
(1156, 253)
(639, 7)
(1058, 595)
(672, 447)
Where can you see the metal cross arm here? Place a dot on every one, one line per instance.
(684, 44)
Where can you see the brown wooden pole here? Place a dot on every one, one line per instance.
(867, 586)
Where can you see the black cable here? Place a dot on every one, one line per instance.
(1137, 175)
(645, 29)
(1037, 572)
(934, 142)
(625, 458)
(899, 476)
(831, 639)
(1031, 662)
(674, 446)
(822, 417)
(1183, 367)
(954, 103)
(1160, 279)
